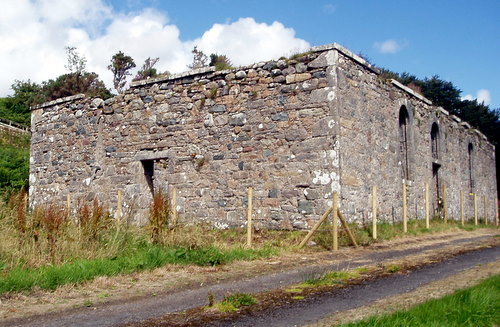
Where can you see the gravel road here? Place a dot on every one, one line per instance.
(139, 309)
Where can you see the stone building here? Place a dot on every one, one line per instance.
(294, 130)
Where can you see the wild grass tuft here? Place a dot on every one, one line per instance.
(235, 301)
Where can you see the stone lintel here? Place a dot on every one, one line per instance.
(59, 101)
(410, 91)
(149, 155)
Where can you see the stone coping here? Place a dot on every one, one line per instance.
(410, 91)
(58, 101)
(205, 70)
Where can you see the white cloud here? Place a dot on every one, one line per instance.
(482, 96)
(389, 46)
(33, 35)
(329, 8)
(246, 41)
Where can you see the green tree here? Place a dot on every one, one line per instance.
(220, 62)
(147, 70)
(120, 67)
(78, 80)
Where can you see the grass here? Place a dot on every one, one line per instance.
(332, 278)
(47, 247)
(234, 302)
(475, 306)
(387, 231)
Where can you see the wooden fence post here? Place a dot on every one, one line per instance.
(374, 212)
(347, 229)
(427, 225)
(496, 211)
(68, 205)
(462, 218)
(475, 209)
(174, 206)
(405, 218)
(249, 217)
(335, 232)
(119, 206)
(316, 226)
(445, 214)
(485, 211)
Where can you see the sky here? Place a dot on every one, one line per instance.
(458, 40)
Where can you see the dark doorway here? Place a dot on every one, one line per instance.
(149, 171)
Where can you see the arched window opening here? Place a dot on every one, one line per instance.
(435, 141)
(404, 122)
(470, 150)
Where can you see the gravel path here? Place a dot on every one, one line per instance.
(311, 310)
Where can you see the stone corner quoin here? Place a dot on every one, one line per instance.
(295, 130)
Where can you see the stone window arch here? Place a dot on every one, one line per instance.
(435, 136)
(404, 141)
(470, 162)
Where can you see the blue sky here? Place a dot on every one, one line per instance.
(457, 40)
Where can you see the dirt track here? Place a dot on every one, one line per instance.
(245, 277)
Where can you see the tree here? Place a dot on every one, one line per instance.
(199, 59)
(220, 62)
(74, 83)
(76, 63)
(147, 70)
(78, 80)
(120, 67)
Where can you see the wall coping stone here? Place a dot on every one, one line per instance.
(443, 111)
(348, 53)
(455, 118)
(205, 70)
(59, 101)
(466, 125)
(170, 77)
(410, 91)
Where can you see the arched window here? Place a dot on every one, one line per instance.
(435, 141)
(470, 152)
(404, 129)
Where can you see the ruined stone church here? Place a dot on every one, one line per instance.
(295, 130)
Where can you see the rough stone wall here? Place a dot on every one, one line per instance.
(370, 152)
(294, 130)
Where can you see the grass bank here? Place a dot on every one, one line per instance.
(475, 306)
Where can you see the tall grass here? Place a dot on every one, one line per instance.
(475, 307)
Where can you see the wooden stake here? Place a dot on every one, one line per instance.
(445, 215)
(315, 227)
(119, 206)
(344, 223)
(374, 212)
(485, 211)
(174, 206)
(335, 231)
(68, 204)
(475, 209)
(427, 224)
(462, 218)
(249, 217)
(496, 212)
(405, 218)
